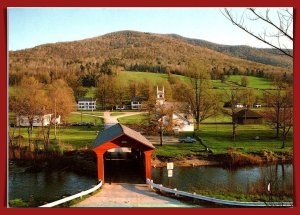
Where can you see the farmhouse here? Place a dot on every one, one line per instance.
(137, 102)
(38, 121)
(86, 104)
(246, 116)
(180, 121)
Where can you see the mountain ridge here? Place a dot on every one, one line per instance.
(144, 48)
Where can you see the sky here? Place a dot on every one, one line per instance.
(29, 27)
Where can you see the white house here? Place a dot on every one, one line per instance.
(137, 102)
(86, 104)
(180, 121)
(38, 121)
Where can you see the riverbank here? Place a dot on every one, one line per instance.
(230, 159)
(76, 159)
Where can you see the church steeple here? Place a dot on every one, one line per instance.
(160, 95)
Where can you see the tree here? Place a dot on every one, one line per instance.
(30, 102)
(277, 25)
(102, 90)
(234, 96)
(121, 92)
(249, 97)
(286, 115)
(145, 89)
(244, 81)
(79, 92)
(61, 103)
(202, 101)
(133, 88)
(280, 112)
(110, 91)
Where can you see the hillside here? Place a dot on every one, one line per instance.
(264, 56)
(130, 50)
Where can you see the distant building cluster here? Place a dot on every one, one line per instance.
(86, 104)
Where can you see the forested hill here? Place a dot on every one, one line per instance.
(260, 55)
(140, 51)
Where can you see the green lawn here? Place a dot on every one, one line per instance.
(218, 139)
(77, 118)
(153, 78)
(117, 114)
(98, 113)
(254, 82)
(73, 137)
(220, 118)
(136, 119)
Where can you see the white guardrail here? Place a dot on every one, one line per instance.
(69, 198)
(218, 201)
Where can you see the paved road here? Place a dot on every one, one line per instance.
(169, 140)
(129, 195)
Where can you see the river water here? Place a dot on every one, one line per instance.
(45, 187)
(240, 180)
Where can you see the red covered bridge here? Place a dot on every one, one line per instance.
(120, 136)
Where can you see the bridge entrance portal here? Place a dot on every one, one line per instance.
(124, 165)
(122, 155)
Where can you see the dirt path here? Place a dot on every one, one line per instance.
(129, 195)
(110, 120)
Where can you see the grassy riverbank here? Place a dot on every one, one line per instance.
(246, 149)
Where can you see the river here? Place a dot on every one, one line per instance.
(240, 180)
(42, 187)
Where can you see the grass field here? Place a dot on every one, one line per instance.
(254, 82)
(73, 137)
(154, 78)
(220, 118)
(117, 114)
(135, 119)
(77, 118)
(218, 139)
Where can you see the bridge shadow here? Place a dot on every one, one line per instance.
(123, 168)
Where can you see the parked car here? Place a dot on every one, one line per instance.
(187, 140)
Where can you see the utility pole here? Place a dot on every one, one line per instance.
(55, 118)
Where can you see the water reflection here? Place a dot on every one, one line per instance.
(218, 179)
(45, 186)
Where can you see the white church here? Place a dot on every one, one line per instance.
(181, 121)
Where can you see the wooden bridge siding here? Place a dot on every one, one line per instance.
(131, 143)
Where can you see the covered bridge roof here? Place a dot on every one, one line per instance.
(117, 130)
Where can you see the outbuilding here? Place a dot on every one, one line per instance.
(247, 116)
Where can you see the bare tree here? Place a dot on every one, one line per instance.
(234, 96)
(277, 24)
(274, 101)
(202, 101)
(280, 112)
